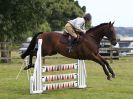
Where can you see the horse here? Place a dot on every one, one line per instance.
(86, 49)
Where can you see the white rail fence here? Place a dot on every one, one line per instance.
(39, 82)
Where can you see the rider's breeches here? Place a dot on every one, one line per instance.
(69, 29)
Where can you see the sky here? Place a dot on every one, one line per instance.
(120, 11)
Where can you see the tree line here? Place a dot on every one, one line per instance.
(22, 18)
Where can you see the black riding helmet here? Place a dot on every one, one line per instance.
(87, 16)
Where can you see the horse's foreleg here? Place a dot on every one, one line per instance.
(98, 60)
(108, 66)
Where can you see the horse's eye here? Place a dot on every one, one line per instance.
(111, 31)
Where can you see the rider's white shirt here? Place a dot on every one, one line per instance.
(78, 24)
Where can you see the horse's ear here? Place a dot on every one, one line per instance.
(113, 23)
(110, 23)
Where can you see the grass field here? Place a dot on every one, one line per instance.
(97, 86)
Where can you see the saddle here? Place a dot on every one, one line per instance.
(71, 42)
(66, 38)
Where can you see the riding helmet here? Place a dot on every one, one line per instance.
(87, 16)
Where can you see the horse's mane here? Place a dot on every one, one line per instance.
(95, 27)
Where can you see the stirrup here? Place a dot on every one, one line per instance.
(69, 49)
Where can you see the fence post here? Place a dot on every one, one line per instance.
(5, 52)
(81, 74)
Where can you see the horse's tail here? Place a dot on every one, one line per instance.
(31, 46)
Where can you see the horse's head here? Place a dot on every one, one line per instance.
(104, 29)
(110, 34)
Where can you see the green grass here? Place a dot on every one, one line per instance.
(97, 86)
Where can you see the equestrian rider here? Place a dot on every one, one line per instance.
(77, 25)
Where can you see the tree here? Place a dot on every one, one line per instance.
(21, 18)
(18, 17)
(61, 11)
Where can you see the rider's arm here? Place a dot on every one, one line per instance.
(78, 24)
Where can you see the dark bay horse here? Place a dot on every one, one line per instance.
(86, 49)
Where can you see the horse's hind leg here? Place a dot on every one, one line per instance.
(30, 65)
(30, 62)
(98, 60)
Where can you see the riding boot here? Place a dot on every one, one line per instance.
(70, 43)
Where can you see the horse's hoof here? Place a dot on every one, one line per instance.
(108, 78)
(32, 66)
(22, 56)
(29, 66)
(26, 68)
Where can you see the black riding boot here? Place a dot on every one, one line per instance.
(71, 43)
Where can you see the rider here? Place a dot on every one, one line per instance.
(77, 25)
(74, 26)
